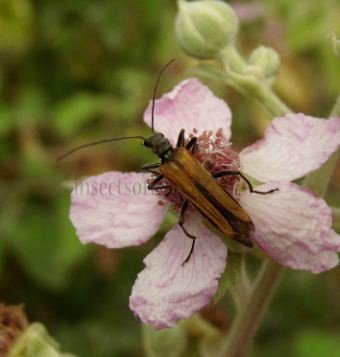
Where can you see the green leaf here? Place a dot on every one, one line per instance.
(230, 276)
(46, 245)
(36, 342)
(78, 110)
(166, 343)
(15, 25)
(7, 122)
(2, 256)
(316, 344)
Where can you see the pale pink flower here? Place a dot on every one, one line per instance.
(292, 225)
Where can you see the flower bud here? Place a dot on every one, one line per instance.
(204, 28)
(266, 60)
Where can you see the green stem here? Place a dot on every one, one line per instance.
(232, 59)
(270, 101)
(250, 84)
(250, 317)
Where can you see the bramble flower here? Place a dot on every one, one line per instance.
(292, 225)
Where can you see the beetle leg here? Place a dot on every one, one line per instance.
(181, 223)
(152, 185)
(192, 144)
(238, 173)
(149, 167)
(180, 140)
(195, 148)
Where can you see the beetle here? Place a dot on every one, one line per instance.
(197, 185)
(200, 188)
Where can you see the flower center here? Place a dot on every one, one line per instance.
(216, 155)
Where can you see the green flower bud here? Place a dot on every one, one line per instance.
(266, 60)
(204, 28)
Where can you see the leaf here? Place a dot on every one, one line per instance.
(317, 343)
(36, 342)
(2, 256)
(46, 245)
(16, 22)
(78, 110)
(7, 122)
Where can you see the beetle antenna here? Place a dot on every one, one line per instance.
(98, 142)
(155, 93)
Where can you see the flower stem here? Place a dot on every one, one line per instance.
(250, 316)
(270, 101)
(250, 84)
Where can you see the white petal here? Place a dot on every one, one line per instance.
(189, 105)
(165, 291)
(293, 226)
(116, 209)
(292, 147)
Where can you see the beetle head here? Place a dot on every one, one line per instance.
(159, 145)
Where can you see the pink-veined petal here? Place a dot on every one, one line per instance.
(165, 291)
(116, 209)
(293, 226)
(292, 147)
(189, 105)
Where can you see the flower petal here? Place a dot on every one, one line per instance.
(189, 105)
(293, 226)
(165, 291)
(116, 209)
(292, 147)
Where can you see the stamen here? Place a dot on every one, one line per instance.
(215, 154)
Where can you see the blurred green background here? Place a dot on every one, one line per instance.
(81, 70)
